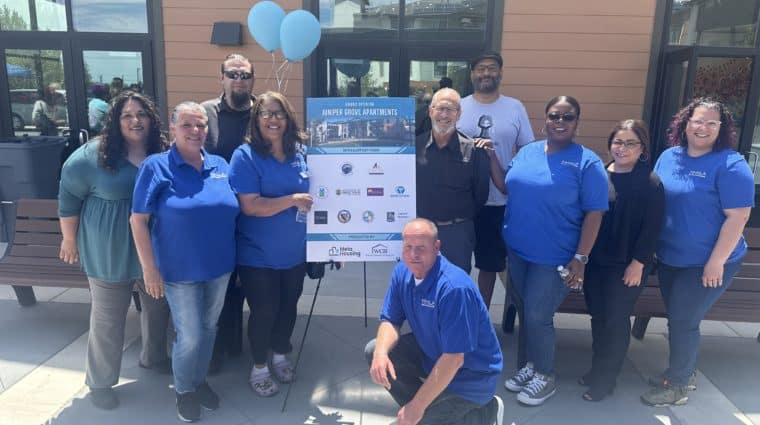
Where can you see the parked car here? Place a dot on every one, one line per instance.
(22, 105)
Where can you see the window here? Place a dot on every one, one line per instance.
(36, 15)
(727, 23)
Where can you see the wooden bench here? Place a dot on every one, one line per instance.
(31, 258)
(740, 302)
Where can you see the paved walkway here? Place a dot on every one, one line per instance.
(42, 352)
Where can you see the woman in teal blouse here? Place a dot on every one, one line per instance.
(95, 200)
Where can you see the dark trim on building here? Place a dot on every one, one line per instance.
(156, 24)
(656, 62)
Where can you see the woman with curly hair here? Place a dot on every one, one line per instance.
(271, 180)
(94, 203)
(709, 192)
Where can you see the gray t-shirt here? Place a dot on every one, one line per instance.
(509, 128)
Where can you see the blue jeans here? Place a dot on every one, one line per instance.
(539, 291)
(687, 302)
(195, 308)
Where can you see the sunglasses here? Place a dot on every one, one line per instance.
(556, 117)
(238, 75)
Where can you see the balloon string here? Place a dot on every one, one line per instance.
(269, 76)
(287, 72)
(280, 74)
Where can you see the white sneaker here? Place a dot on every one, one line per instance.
(538, 390)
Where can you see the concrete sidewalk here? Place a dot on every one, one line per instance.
(42, 351)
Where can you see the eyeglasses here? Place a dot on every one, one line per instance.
(481, 69)
(445, 109)
(238, 75)
(280, 115)
(556, 117)
(629, 144)
(712, 125)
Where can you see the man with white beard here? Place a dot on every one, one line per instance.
(229, 117)
(452, 179)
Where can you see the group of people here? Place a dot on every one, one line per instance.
(200, 224)
(175, 221)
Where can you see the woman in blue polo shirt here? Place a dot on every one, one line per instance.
(557, 196)
(709, 192)
(183, 222)
(272, 184)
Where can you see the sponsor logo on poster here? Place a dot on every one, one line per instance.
(368, 216)
(343, 251)
(399, 192)
(320, 217)
(390, 216)
(348, 192)
(322, 192)
(375, 191)
(347, 168)
(379, 250)
(376, 170)
(344, 216)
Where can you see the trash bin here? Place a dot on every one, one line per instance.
(33, 164)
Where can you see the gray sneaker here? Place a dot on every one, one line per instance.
(538, 390)
(666, 395)
(520, 379)
(660, 381)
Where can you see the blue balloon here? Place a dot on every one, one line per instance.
(264, 24)
(299, 34)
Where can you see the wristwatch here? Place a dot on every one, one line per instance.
(582, 258)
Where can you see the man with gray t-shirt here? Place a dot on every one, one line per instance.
(487, 114)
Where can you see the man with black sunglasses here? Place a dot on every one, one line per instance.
(229, 116)
(488, 115)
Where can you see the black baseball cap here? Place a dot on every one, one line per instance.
(487, 55)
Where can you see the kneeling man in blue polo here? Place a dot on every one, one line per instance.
(446, 370)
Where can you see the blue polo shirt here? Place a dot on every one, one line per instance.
(192, 215)
(697, 190)
(447, 315)
(278, 241)
(549, 195)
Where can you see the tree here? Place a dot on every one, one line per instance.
(12, 20)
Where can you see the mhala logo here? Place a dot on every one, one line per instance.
(375, 191)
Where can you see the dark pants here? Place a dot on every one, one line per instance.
(687, 302)
(447, 408)
(229, 336)
(272, 296)
(457, 243)
(610, 304)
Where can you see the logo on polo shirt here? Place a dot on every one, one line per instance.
(320, 217)
(571, 164)
(696, 173)
(214, 175)
(376, 170)
(428, 303)
(347, 168)
(375, 191)
(344, 216)
(322, 192)
(368, 216)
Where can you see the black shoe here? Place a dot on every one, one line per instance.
(207, 397)
(163, 367)
(188, 407)
(104, 398)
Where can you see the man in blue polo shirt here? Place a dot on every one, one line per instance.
(446, 370)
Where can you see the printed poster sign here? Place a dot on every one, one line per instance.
(362, 171)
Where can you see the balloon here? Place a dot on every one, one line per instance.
(299, 34)
(264, 24)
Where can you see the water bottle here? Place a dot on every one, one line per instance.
(301, 216)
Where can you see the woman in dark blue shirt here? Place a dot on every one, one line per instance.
(557, 194)
(183, 222)
(709, 192)
(271, 181)
(622, 255)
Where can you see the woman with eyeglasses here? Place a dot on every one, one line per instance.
(622, 255)
(271, 180)
(557, 195)
(709, 192)
(94, 202)
(183, 221)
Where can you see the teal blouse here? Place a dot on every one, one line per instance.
(102, 199)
